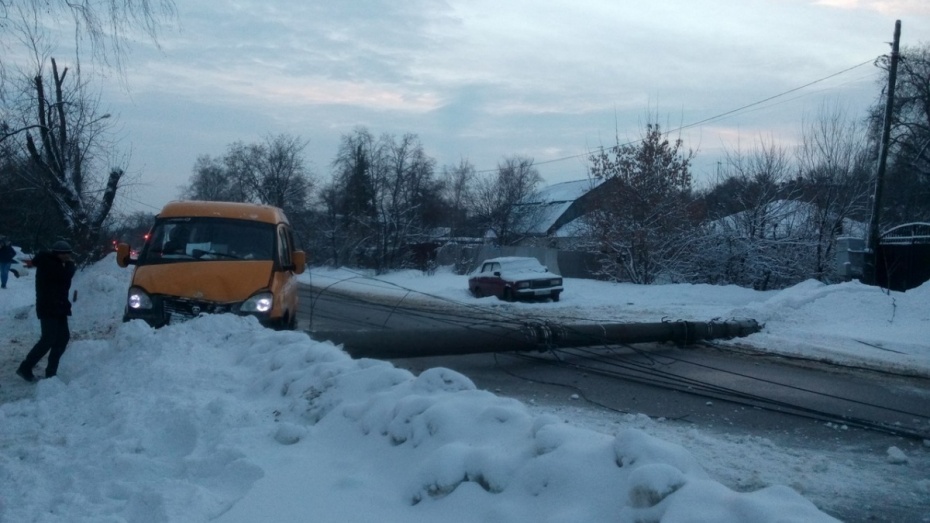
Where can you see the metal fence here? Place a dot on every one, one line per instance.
(902, 261)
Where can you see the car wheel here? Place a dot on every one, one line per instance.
(555, 296)
(508, 295)
(476, 292)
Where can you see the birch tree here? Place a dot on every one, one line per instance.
(99, 27)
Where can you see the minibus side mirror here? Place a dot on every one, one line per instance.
(300, 261)
(123, 258)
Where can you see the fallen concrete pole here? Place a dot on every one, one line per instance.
(389, 344)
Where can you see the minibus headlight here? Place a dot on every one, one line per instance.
(138, 299)
(260, 302)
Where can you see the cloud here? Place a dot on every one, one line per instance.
(483, 79)
(898, 8)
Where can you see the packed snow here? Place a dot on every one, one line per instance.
(847, 323)
(219, 419)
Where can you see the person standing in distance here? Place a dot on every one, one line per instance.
(7, 253)
(54, 271)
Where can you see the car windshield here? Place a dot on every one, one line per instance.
(522, 265)
(206, 239)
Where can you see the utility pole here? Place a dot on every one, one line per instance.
(528, 337)
(871, 269)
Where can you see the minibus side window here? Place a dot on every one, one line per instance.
(284, 247)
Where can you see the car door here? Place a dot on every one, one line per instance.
(484, 280)
(494, 283)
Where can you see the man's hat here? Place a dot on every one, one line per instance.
(61, 247)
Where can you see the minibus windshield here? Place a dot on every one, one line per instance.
(174, 240)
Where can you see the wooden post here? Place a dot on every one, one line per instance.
(873, 239)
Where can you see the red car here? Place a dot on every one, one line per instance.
(511, 278)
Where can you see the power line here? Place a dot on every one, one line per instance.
(712, 118)
(605, 361)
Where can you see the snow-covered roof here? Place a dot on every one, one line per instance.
(552, 202)
(565, 191)
(780, 218)
(573, 229)
(545, 216)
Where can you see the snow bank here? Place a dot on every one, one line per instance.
(191, 423)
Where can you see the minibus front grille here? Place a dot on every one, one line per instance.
(178, 310)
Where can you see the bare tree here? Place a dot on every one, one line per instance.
(835, 180)
(273, 172)
(284, 178)
(210, 182)
(756, 235)
(349, 200)
(30, 216)
(457, 191)
(103, 25)
(774, 219)
(241, 163)
(499, 201)
(64, 141)
(401, 185)
(329, 241)
(382, 200)
(54, 119)
(907, 184)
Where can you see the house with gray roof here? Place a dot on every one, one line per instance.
(554, 212)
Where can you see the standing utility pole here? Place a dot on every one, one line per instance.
(872, 254)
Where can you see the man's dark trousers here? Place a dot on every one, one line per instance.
(54, 340)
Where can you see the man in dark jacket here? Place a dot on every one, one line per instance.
(54, 271)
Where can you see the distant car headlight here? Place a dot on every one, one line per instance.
(261, 302)
(138, 299)
(523, 284)
(556, 282)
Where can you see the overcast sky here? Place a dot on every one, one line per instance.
(483, 80)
